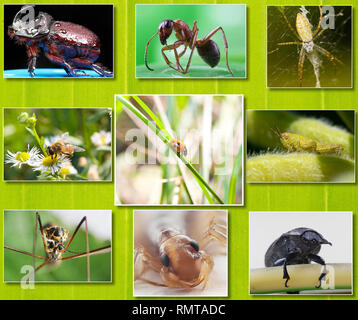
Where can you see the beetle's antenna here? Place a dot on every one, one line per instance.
(146, 50)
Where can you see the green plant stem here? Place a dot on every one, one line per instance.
(234, 177)
(36, 136)
(196, 174)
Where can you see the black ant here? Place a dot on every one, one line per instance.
(207, 48)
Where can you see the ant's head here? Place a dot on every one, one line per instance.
(165, 29)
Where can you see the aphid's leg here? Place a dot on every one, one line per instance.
(203, 41)
(329, 148)
(32, 52)
(173, 46)
(329, 55)
(289, 24)
(319, 260)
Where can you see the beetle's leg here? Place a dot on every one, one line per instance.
(32, 52)
(203, 41)
(286, 261)
(319, 260)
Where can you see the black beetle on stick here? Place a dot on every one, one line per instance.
(298, 246)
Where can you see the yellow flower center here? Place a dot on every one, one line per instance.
(22, 156)
(103, 140)
(64, 171)
(49, 161)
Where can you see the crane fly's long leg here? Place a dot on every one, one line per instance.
(319, 24)
(87, 251)
(34, 244)
(146, 51)
(41, 230)
(104, 249)
(203, 41)
(25, 252)
(301, 61)
(329, 55)
(76, 230)
(289, 25)
(173, 46)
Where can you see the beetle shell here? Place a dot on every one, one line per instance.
(178, 146)
(292, 241)
(210, 53)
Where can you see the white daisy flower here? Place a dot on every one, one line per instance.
(68, 169)
(51, 164)
(28, 157)
(102, 138)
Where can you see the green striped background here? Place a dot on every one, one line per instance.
(100, 93)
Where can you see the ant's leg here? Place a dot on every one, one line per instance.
(192, 48)
(301, 61)
(203, 41)
(174, 46)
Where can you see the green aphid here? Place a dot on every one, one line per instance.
(296, 143)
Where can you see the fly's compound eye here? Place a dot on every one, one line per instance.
(194, 245)
(165, 260)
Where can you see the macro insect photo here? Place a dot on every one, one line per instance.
(177, 150)
(309, 46)
(294, 252)
(52, 246)
(58, 41)
(53, 144)
(180, 253)
(190, 41)
(300, 146)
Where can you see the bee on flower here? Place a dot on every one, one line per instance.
(49, 165)
(20, 158)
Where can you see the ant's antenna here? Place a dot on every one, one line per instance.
(146, 50)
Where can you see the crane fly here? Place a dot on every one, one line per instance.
(56, 242)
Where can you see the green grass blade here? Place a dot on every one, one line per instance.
(234, 177)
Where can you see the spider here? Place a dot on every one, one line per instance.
(306, 36)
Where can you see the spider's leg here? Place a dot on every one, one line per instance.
(318, 34)
(319, 24)
(301, 61)
(329, 55)
(289, 25)
(289, 43)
